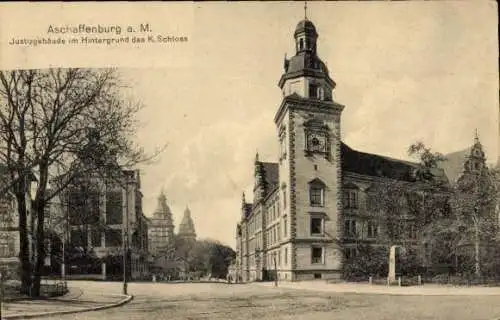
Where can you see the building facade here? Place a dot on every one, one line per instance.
(104, 216)
(9, 226)
(311, 208)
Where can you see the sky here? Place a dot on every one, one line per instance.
(405, 71)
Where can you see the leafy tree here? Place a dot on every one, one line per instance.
(474, 203)
(369, 261)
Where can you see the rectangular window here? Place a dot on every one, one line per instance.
(316, 255)
(350, 228)
(283, 147)
(114, 238)
(114, 207)
(284, 199)
(286, 256)
(351, 199)
(316, 196)
(285, 227)
(96, 238)
(316, 225)
(412, 231)
(372, 229)
(350, 253)
(76, 207)
(313, 91)
(93, 205)
(6, 247)
(79, 238)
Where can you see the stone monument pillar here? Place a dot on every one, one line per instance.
(392, 263)
(103, 268)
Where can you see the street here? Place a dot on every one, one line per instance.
(253, 301)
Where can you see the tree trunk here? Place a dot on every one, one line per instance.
(477, 252)
(40, 248)
(39, 208)
(24, 245)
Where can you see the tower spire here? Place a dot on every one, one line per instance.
(305, 10)
(476, 137)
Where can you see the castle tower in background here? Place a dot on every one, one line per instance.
(161, 227)
(186, 228)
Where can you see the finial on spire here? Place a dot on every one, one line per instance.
(305, 10)
(257, 156)
(476, 137)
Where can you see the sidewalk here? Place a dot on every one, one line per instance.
(428, 290)
(76, 300)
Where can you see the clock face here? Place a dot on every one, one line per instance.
(316, 142)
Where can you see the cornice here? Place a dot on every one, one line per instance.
(306, 73)
(304, 104)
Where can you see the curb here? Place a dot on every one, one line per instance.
(56, 313)
(388, 293)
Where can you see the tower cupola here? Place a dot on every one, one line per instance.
(306, 75)
(305, 36)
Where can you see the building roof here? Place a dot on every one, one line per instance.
(162, 211)
(248, 209)
(306, 60)
(454, 164)
(305, 26)
(271, 175)
(381, 166)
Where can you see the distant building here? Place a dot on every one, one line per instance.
(161, 227)
(186, 227)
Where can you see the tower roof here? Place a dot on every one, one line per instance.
(163, 211)
(186, 228)
(305, 26)
(306, 61)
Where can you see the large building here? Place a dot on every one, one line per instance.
(312, 207)
(100, 215)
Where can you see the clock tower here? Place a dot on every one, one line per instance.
(308, 126)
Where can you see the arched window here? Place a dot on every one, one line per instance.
(301, 44)
(317, 193)
(320, 93)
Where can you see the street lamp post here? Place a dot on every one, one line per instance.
(125, 239)
(257, 263)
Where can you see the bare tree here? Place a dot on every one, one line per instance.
(51, 120)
